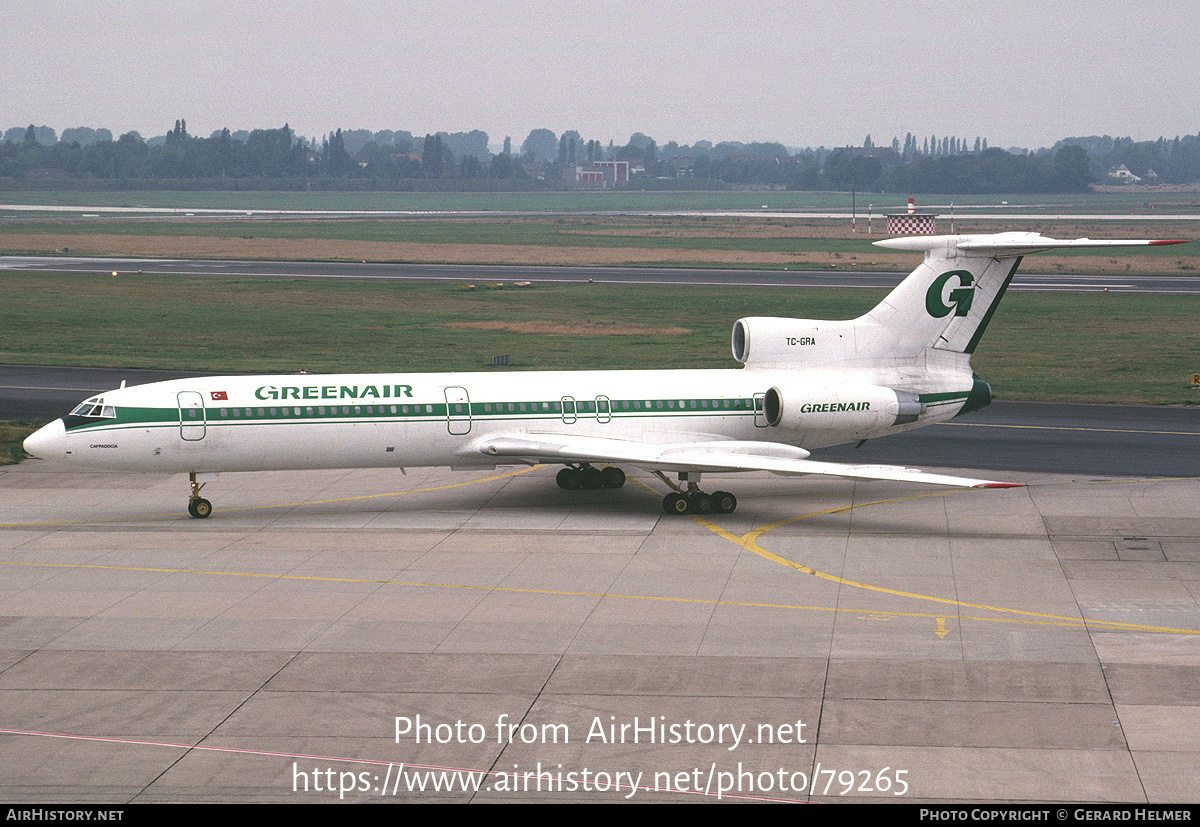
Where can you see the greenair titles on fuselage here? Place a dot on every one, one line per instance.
(334, 392)
(831, 407)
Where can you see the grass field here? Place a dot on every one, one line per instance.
(12, 434)
(1082, 347)
(615, 240)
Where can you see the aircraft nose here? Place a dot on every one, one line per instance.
(48, 442)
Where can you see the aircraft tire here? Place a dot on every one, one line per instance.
(613, 477)
(675, 504)
(724, 502)
(700, 503)
(200, 508)
(591, 477)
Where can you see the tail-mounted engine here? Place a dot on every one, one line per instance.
(852, 408)
(764, 341)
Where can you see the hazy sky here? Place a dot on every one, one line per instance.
(1017, 72)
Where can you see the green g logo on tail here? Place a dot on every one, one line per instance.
(960, 297)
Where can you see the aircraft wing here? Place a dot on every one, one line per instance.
(719, 456)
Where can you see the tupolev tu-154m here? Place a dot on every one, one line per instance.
(803, 384)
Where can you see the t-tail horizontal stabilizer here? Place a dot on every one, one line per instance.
(1003, 245)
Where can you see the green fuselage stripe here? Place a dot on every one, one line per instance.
(417, 412)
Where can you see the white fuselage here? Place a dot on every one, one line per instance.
(259, 423)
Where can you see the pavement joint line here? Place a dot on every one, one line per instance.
(748, 541)
(865, 614)
(249, 508)
(371, 762)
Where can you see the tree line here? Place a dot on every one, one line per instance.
(396, 159)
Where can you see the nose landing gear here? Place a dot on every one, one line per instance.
(197, 505)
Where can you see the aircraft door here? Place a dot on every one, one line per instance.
(760, 411)
(458, 411)
(603, 409)
(568, 410)
(191, 415)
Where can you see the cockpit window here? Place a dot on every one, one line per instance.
(95, 408)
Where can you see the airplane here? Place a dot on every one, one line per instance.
(803, 384)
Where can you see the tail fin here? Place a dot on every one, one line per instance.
(936, 315)
(947, 302)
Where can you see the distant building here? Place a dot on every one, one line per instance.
(1122, 175)
(681, 166)
(615, 172)
(584, 179)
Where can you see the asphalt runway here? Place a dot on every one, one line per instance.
(834, 279)
(365, 636)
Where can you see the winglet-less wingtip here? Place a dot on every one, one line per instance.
(1001, 485)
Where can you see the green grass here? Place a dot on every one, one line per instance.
(640, 233)
(1083, 347)
(12, 434)
(762, 236)
(248, 325)
(1093, 347)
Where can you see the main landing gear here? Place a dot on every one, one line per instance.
(197, 505)
(693, 500)
(689, 500)
(574, 477)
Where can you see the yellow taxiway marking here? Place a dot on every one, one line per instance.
(176, 517)
(1048, 619)
(1042, 620)
(749, 541)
